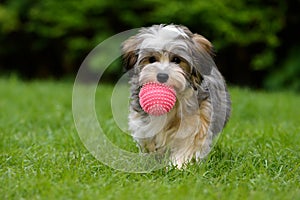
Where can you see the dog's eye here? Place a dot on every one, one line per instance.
(176, 60)
(152, 59)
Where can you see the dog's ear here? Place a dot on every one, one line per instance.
(204, 43)
(130, 52)
(213, 85)
(202, 51)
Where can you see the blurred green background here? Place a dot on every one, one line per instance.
(256, 42)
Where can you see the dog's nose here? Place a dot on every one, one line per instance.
(162, 77)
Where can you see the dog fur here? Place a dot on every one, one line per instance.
(203, 104)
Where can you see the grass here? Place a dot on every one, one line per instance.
(41, 156)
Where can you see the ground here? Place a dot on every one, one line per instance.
(42, 157)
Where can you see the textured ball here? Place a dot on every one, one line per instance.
(157, 98)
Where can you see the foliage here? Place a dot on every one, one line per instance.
(287, 76)
(42, 157)
(40, 38)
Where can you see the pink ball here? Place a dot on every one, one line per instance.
(157, 98)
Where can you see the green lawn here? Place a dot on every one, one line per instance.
(41, 156)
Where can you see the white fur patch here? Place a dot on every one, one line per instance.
(174, 29)
(164, 36)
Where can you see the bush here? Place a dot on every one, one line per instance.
(42, 38)
(287, 76)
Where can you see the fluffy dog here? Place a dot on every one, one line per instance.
(173, 55)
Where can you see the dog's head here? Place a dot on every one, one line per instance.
(175, 56)
(168, 54)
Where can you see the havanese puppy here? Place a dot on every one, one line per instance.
(174, 56)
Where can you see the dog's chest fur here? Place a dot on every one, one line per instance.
(181, 132)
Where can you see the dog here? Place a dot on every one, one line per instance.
(173, 55)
